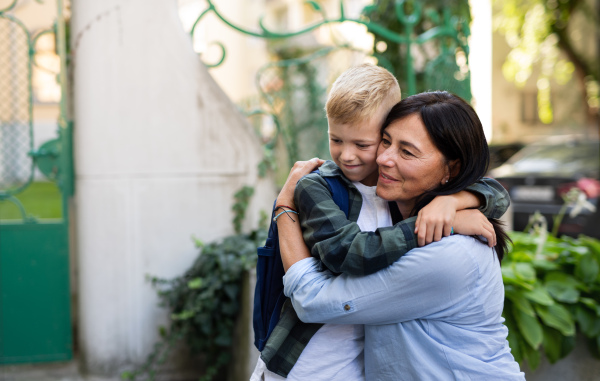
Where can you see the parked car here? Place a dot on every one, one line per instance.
(500, 153)
(541, 173)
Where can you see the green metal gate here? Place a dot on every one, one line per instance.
(35, 312)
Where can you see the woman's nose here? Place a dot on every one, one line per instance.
(384, 159)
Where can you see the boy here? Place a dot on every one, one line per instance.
(356, 108)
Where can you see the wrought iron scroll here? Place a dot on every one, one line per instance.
(449, 31)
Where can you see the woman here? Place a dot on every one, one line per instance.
(443, 320)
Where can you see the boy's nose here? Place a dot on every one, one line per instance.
(347, 154)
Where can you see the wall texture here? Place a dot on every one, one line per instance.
(159, 152)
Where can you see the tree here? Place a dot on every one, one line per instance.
(549, 37)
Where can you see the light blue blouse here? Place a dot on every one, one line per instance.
(435, 314)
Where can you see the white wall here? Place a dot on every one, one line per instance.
(159, 152)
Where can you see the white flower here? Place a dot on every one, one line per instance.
(577, 200)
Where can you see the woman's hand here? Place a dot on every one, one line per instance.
(473, 222)
(435, 220)
(299, 170)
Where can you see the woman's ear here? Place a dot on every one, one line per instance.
(451, 170)
(454, 166)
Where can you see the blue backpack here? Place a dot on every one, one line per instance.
(268, 295)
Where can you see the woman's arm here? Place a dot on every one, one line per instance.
(433, 281)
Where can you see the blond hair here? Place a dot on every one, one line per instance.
(360, 92)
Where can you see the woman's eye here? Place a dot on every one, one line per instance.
(385, 142)
(337, 141)
(362, 145)
(407, 153)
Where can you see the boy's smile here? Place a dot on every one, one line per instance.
(353, 147)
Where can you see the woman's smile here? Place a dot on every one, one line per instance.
(386, 178)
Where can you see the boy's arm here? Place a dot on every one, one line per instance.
(493, 197)
(435, 219)
(338, 242)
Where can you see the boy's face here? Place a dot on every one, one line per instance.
(353, 147)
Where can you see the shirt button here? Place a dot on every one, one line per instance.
(347, 307)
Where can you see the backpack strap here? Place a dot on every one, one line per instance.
(339, 193)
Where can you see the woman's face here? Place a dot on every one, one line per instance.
(409, 163)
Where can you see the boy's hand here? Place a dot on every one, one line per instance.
(298, 171)
(435, 220)
(473, 222)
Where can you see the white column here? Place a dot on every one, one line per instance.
(480, 62)
(159, 152)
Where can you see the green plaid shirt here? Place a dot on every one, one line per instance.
(343, 248)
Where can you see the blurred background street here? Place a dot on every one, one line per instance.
(142, 143)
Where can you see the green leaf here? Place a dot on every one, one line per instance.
(587, 268)
(514, 337)
(520, 302)
(562, 292)
(223, 339)
(529, 326)
(195, 283)
(127, 375)
(509, 277)
(568, 344)
(562, 277)
(588, 321)
(197, 242)
(552, 344)
(524, 271)
(533, 357)
(562, 287)
(231, 290)
(591, 304)
(539, 295)
(592, 243)
(557, 316)
(521, 256)
(545, 265)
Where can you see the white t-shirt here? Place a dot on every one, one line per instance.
(336, 351)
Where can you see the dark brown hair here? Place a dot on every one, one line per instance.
(457, 133)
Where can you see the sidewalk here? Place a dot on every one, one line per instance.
(66, 371)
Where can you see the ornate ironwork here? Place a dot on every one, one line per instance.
(449, 31)
(18, 157)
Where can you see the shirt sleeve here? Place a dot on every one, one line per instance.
(494, 198)
(431, 282)
(338, 242)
